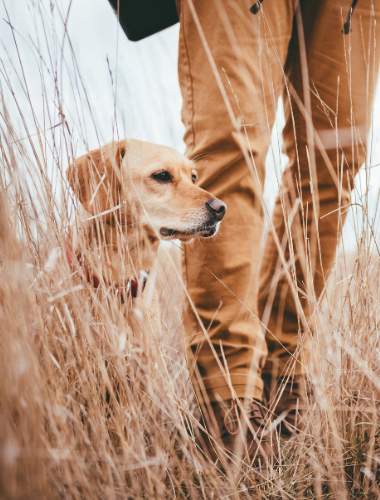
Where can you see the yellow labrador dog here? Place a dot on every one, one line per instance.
(133, 194)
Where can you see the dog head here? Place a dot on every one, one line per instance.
(132, 180)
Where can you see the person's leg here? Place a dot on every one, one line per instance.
(342, 80)
(221, 273)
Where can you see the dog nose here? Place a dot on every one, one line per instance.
(217, 208)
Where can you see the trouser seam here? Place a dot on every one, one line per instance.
(191, 97)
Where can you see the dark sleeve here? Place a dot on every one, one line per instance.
(142, 18)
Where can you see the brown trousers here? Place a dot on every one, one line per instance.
(233, 67)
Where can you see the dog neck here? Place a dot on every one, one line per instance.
(104, 252)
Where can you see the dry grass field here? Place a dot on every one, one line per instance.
(87, 412)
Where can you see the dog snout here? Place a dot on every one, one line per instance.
(217, 208)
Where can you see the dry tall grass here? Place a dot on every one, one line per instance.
(86, 414)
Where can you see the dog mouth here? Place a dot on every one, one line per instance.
(203, 231)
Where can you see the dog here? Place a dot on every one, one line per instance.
(133, 194)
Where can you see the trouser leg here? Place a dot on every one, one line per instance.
(221, 274)
(342, 79)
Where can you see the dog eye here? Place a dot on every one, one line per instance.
(162, 176)
(193, 177)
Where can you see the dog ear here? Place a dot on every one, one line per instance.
(96, 178)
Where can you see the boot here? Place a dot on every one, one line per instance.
(287, 398)
(237, 439)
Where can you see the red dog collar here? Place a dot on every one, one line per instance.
(73, 260)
